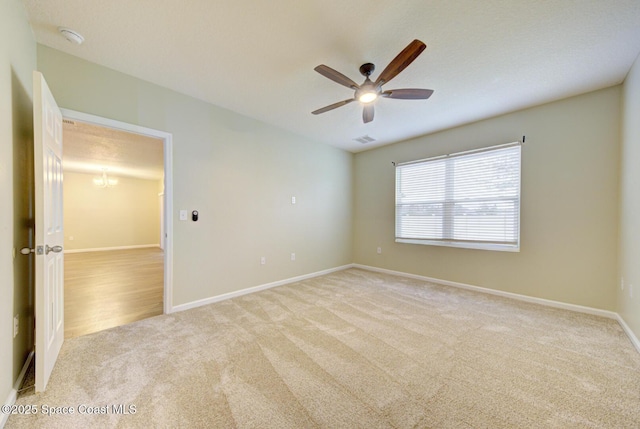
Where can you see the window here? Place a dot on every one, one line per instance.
(468, 199)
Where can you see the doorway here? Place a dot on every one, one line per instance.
(119, 266)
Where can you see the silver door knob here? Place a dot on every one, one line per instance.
(54, 249)
(39, 249)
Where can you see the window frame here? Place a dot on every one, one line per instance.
(446, 224)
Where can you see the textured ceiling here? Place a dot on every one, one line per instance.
(483, 58)
(91, 149)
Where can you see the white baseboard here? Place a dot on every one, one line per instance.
(13, 394)
(525, 298)
(511, 295)
(546, 302)
(102, 249)
(627, 330)
(218, 298)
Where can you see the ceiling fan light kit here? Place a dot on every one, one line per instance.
(367, 97)
(370, 91)
(367, 92)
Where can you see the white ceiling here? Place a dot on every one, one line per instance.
(92, 149)
(483, 58)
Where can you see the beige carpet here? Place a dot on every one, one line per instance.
(353, 349)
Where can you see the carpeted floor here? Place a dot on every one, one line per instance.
(353, 349)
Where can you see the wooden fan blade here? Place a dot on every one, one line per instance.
(336, 76)
(333, 106)
(408, 94)
(401, 61)
(367, 113)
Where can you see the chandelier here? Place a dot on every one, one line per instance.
(104, 181)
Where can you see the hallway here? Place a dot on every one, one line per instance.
(111, 288)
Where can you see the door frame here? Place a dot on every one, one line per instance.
(167, 139)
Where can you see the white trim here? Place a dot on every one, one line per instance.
(463, 244)
(225, 296)
(168, 186)
(546, 302)
(104, 249)
(516, 296)
(13, 394)
(627, 330)
(112, 123)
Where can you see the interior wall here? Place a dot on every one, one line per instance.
(127, 214)
(17, 62)
(569, 206)
(629, 276)
(239, 173)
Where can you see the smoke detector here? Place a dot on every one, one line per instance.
(71, 35)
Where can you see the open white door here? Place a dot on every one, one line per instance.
(49, 280)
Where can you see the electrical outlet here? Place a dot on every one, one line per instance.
(16, 325)
(263, 260)
(293, 200)
(293, 256)
(379, 250)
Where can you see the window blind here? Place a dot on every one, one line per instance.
(468, 199)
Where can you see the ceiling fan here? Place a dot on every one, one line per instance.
(369, 91)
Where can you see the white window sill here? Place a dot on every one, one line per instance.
(463, 245)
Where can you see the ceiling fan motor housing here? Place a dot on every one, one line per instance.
(367, 69)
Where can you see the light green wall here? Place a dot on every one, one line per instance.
(127, 214)
(239, 173)
(628, 305)
(569, 208)
(17, 62)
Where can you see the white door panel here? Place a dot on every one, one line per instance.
(49, 233)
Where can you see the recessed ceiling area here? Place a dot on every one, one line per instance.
(483, 58)
(92, 149)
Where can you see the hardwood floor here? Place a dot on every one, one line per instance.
(111, 288)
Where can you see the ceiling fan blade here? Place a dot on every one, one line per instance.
(333, 106)
(401, 61)
(367, 113)
(336, 76)
(408, 94)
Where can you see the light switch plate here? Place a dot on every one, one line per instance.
(183, 215)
